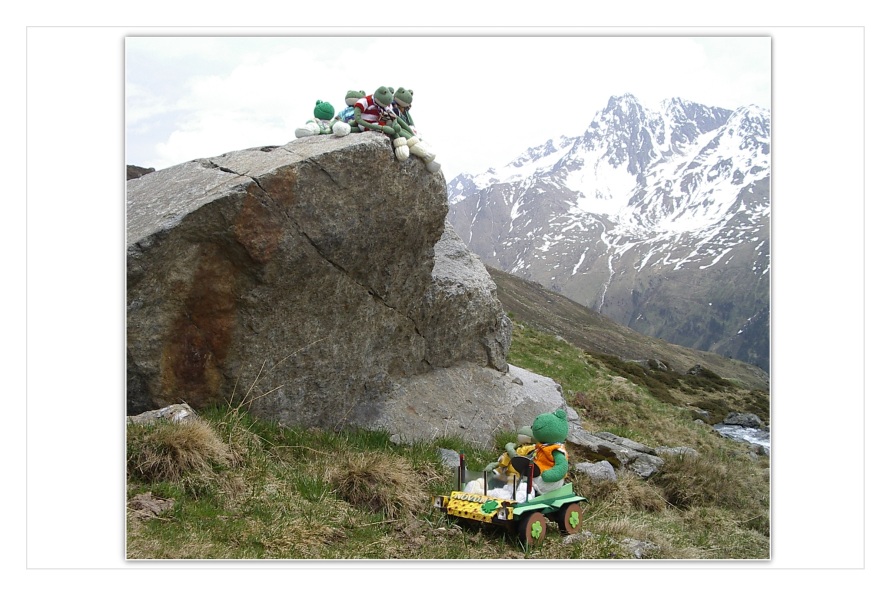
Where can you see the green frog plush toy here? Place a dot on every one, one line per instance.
(320, 123)
(344, 122)
(401, 105)
(523, 446)
(373, 112)
(550, 456)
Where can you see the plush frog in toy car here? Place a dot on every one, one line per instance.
(524, 445)
(551, 460)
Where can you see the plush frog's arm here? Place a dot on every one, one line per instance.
(559, 469)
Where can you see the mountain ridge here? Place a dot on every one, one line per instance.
(658, 219)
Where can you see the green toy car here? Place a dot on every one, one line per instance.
(528, 519)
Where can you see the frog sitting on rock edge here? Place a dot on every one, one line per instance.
(375, 112)
(320, 123)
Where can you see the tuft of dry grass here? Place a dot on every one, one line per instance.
(168, 451)
(381, 483)
(689, 482)
(628, 493)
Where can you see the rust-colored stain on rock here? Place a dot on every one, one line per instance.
(257, 229)
(282, 186)
(198, 340)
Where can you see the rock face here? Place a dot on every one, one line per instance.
(465, 400)
(173, 413)
(462, 301)
(618, 451)
(133, 171)
(317, 279)
(745, 419)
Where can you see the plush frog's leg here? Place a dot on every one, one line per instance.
(421, 150)
(341, 128)
(400, 142)
(310, 128)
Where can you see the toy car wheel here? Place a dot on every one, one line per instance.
(569, 518)
(532, 529)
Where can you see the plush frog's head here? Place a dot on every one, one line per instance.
(404, 97)
(551, 428)
(383, 96)
(353, 96)
(525, 435)
(324, 110)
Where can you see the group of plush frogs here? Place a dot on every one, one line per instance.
(385, 111)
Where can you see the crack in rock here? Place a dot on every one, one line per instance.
(273, 204)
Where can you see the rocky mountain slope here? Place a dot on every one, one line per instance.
(659, 220)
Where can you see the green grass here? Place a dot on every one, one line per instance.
(245, 488)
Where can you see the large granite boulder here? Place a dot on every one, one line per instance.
(316, 280)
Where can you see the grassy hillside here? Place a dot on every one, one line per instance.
(548, 311)
(231, 486)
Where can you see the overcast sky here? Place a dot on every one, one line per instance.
(478, 101)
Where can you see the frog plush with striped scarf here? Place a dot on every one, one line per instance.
(375, 112)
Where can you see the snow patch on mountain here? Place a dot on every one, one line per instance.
(602, 188)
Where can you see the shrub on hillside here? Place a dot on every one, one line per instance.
(704, 379)
(658, 382)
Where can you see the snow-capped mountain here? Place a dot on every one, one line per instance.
(659, 219)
